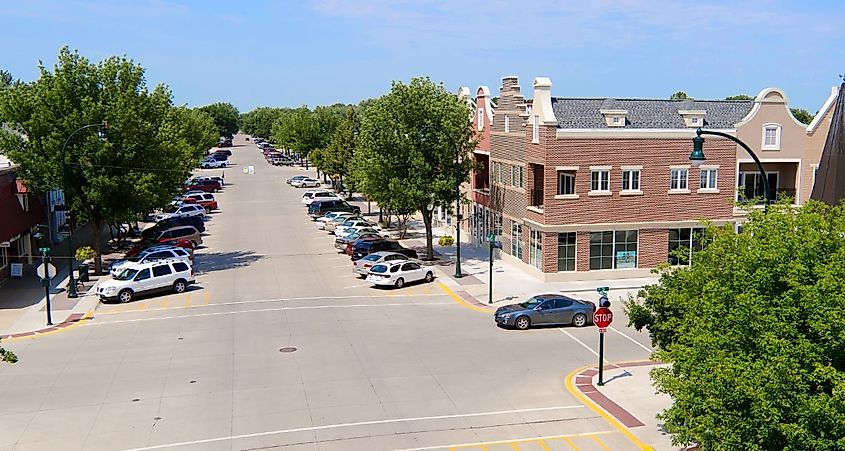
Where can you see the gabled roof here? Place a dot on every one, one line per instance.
(578, 113)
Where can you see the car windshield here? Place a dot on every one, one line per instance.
(126, 274)
(531, 303)
(372, 257)
(379, 268)
(170, 209)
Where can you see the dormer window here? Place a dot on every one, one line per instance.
(507, 124)
(693, 118)
(615, 118)
(535, 129)
(771, 137)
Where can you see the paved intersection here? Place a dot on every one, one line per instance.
(373, 369)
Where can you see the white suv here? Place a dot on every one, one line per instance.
(180, 211)
(152, 254)
(136, 278)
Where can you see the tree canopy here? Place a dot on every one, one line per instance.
(259, 122)
(802, 115)
(754, 334)
(151, 147)
(680, 95)
(408, 147)
(303, 130)
(226, 117)
(740, 97)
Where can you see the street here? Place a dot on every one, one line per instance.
(280, 346)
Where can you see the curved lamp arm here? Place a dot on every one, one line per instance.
(767, 189)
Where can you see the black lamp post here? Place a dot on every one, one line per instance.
(697, 158)
(101, 131)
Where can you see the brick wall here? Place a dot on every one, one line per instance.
(653, 247)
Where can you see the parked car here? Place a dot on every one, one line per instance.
(546, 309)
(399, 272)
(364, 248)
(311, 196)
(321, 207)
(206, 185)
(305, 183)
(211, 163)
(323, 220)
(332, 225)
(281, 161)
(152, 254)
(351, 224)
(170, 235)
(341, 242)
(226, 152)
(362, 267)
(204, 200)
(139, 278)
(184, 210)
(295, 178)
(196, 221)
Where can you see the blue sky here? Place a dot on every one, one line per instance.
(289, 53)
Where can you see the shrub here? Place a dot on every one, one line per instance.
(84, 253)
(446, 240)
(7, 356)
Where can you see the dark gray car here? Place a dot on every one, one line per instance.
(546, 309)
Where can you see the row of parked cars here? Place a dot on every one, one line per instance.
(272, 155)
(217, 159)
(375, 257)
(163, 258)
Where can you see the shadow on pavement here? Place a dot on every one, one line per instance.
(219, 261)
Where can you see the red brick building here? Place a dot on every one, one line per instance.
(20, 212)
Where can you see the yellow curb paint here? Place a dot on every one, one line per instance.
(142, 306)
(164, 303)
(570, 387)
(205, 296)
(514, 443)
(460, 301)
(88, 315)
(188, 301)
(515, 446)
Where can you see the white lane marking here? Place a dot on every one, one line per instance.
(632, 340)
(582, 344)
(356, 286)
(277, 309)
(510, 441)
(261, 301)
(361, 423)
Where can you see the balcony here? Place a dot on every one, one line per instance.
(536, 198)
(782, 180)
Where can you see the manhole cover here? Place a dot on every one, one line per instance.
(287, 349)
(136, 400)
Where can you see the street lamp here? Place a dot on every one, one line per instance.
(697, 158)
(101, 132)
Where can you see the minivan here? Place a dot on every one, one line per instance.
(183, 232)
(138, 278)
(319, 208)
(367, 247)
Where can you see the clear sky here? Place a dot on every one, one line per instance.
(294, 52)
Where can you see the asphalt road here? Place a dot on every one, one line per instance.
(373, 369)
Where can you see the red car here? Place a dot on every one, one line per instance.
(205, 200)
(208, 186)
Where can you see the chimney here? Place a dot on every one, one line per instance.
(542, 104)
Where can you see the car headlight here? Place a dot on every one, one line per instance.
(109, 289)
(505, 315)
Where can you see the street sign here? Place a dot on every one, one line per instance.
(51, 270)
(602, 318)
(601, 290)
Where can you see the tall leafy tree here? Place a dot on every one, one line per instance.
(740, 97)
(259, 122)
(802, 115)
(226, 117)
(303, 130)
(754, 334)
(413, 149)
(150, 150)
(341, 148)
(680, 95)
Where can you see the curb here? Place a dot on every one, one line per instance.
(71, 321)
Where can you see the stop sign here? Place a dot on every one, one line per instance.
(603, 317)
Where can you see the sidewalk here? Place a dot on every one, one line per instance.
(629, 398)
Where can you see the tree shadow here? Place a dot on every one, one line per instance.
(221, 261)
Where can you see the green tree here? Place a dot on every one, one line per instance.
(151, 146)
(259, 122)
(6, 79)
(408, 148)
(341, 149)
(740, 97)
(680, 95)
(754, 334)
(303, 130)
(802, 115)
(226, 117)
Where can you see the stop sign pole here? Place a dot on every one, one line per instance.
(602, 318)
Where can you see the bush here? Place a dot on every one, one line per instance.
(7, 356)
(446, 240)
(84, 253)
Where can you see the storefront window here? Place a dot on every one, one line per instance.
(566, 251)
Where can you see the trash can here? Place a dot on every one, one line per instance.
(83, 273)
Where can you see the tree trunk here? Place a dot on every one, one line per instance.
(98, 247)
(429, 235)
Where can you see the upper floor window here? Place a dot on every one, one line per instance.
(631, 179)
(600, 180)
(708, 178)
(771, 137)
(507, 124)
(678, 179)
(565, 183)
(535, 129)
(480, 119)
(518, 176)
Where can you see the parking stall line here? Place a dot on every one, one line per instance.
(205, 298)
(514, 443)
(631, 339)
(165, 303)
(188, 301)
(585, 345)
(600, 443)
(570, 443)
(543, 445)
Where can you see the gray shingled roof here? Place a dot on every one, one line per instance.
(648, 113)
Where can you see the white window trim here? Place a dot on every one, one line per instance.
(815, 169)
(707, 167)
(600, 192)
(679, 190)
(574, 194)
(566, 168)
(480, 119)
(638, 169)
(535, 129)
(567, 196)
(778, 132)
(507, 124)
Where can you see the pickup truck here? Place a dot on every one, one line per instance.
(281, 161)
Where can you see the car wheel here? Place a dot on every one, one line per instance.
(207, 210)
(179, 286)
(194, 244)
(223, 165)
(124, 296)
(400, 282)
(429, 276)
(522, 323)
(579, 320)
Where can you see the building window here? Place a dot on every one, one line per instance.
(771, 137)
(565, 183)
(497, 176)
(4, 257)
(630, 180)
(708, 178)
(613, 250)
(682, 243)
(616, 119)
(516, 240)
(600, 180)
(507, 124)
(518, 176)
(535, 249)
(480, 119)
(678, 179)
(535, 129)
(695, 121)
(750, 185)
(566, 251)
